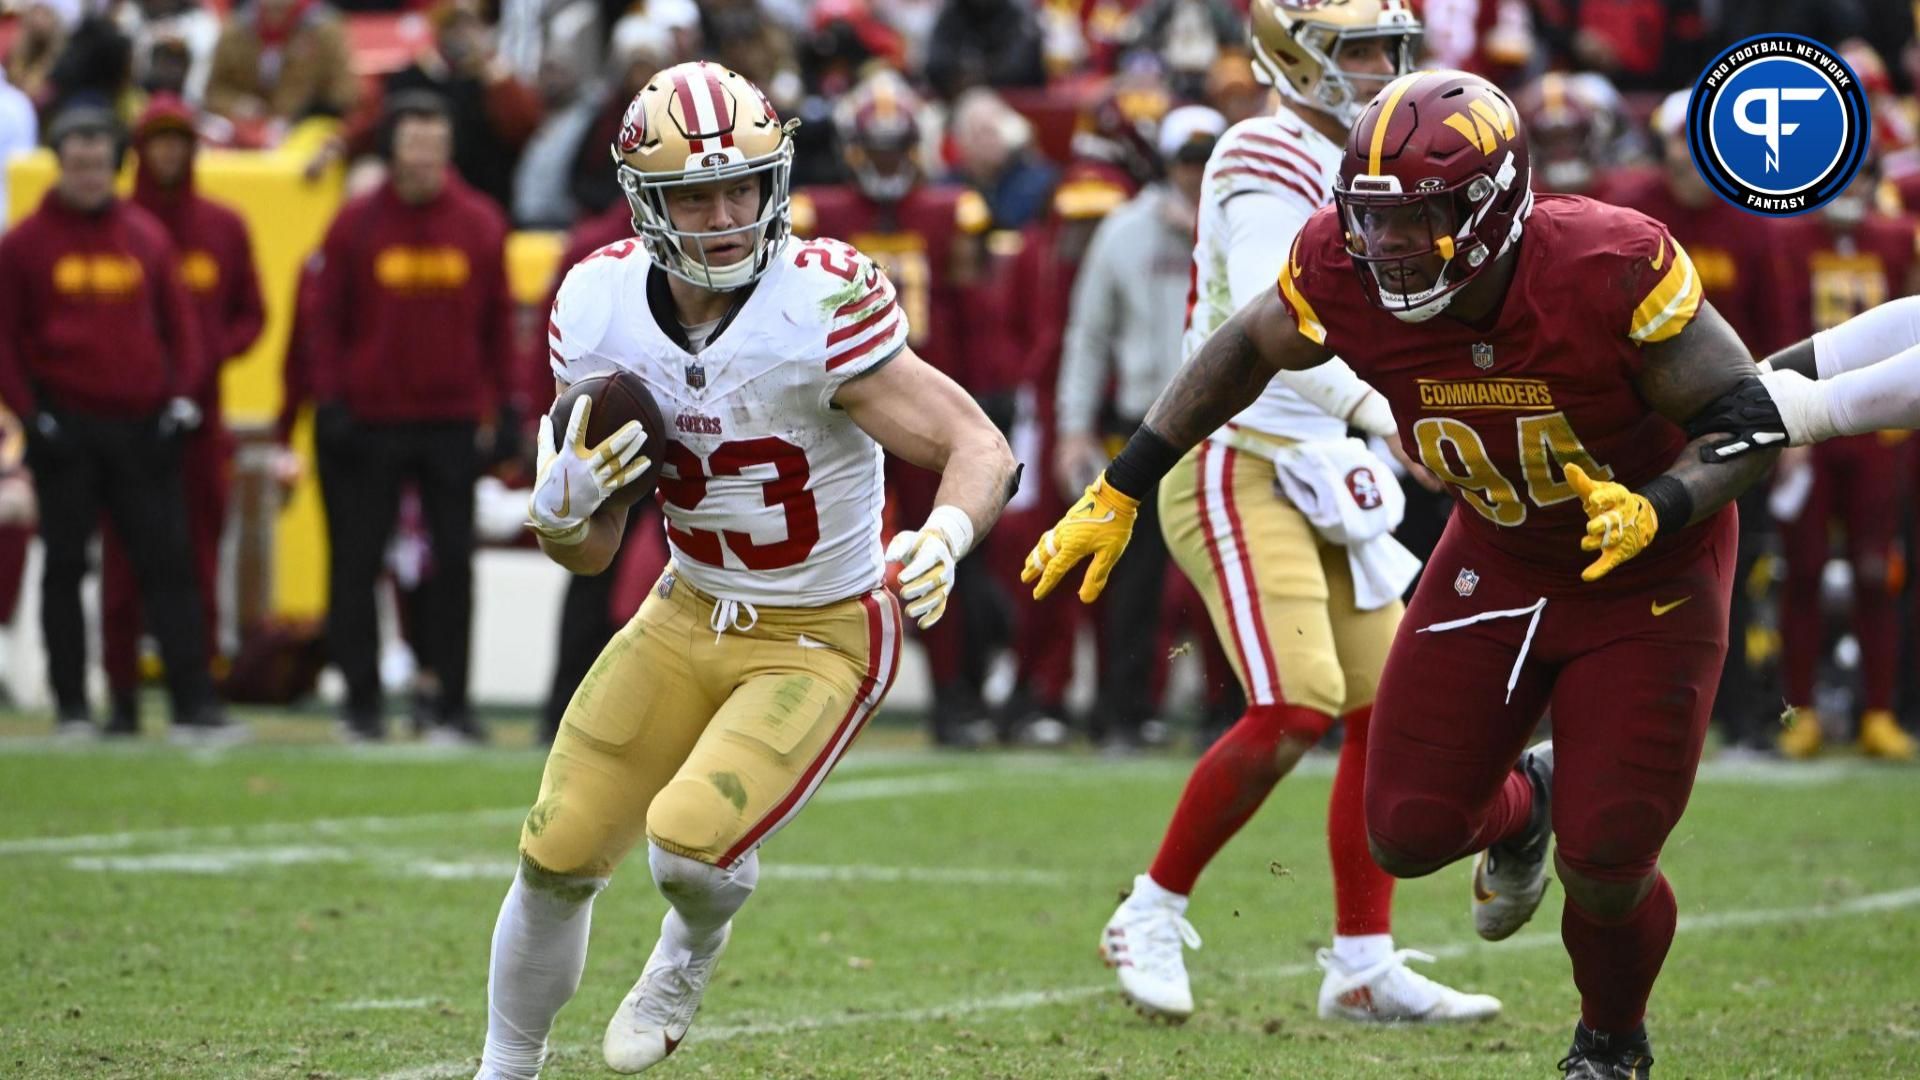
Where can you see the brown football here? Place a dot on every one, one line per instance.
(618, 397)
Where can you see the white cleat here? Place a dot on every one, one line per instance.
(1509, 878)
(654, 1018)
(1390, 992)
(1142, 943)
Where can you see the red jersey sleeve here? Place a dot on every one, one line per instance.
(1318, 269)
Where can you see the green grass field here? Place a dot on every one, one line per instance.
(299, 910)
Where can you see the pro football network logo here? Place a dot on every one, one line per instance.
(1778, 124)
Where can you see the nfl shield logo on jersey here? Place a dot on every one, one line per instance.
(697, 376)
(1465, 582)
(1483, 356)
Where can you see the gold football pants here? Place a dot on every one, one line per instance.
(1281, 597)
(708, 740)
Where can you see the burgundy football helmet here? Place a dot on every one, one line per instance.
(1573, 123)
(879, 128)
(1436, 168)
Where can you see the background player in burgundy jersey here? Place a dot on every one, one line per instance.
(1851, 259)
(1551, 397)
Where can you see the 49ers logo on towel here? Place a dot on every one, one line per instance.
(1364, 489)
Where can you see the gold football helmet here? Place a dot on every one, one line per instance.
(1295, 43)
(696, 123)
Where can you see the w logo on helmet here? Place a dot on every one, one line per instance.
(1486, 123)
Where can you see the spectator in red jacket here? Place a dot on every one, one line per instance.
(216, 265)
(99, 352)
(410, 351)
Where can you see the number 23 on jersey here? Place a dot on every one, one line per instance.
(1455, 453)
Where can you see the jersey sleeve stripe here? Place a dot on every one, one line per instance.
(1247, 159)
(1275, 144)
(852, 306)
(891, 334)
(1672, 304)
(1303, 313)
(1272, 177)
(553, 329)
(846, 333)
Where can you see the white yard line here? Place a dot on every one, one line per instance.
(842, 792)
(385, 1004)
(1026, 999)
(401, 863)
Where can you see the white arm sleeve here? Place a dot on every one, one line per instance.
(1881, 397)
(1260, 227)
(1868, 338)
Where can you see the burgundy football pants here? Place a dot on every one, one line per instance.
(1629, 677)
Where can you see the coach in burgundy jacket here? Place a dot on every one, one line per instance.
(410, 350)
(216, 265)
(99, 345)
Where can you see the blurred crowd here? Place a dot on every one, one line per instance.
(1028, 173)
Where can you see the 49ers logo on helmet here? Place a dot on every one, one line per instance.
(633, 126)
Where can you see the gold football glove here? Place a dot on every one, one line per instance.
(1099, 525)
(1620, 523)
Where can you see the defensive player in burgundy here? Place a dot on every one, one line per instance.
(1545, 358)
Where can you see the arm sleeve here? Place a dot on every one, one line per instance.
(1881, 397)
(1255, 219)
(16, 389)
(1868, 338)
(246, 314)
(1092, 319)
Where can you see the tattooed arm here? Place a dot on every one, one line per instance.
(1686, 376)
(1224, 377)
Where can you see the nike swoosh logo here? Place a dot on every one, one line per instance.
(1101, 520)
(1660, 609)
(1481, 893)
(566, 495)
(1660, 256)
(806, 642)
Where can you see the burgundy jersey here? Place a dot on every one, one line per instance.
(1499, 413)
(1737, 255)
(1845, 273)
(914, 241)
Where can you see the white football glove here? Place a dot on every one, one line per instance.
(927, 555)
(572, 481)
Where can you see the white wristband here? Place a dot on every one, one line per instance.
(954, 524)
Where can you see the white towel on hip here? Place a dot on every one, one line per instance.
(1351, 498)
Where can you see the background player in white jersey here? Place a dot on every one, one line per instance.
(782, 371)
(1306, 620)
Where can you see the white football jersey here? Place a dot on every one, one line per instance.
(771, 494)
(1267, 175)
